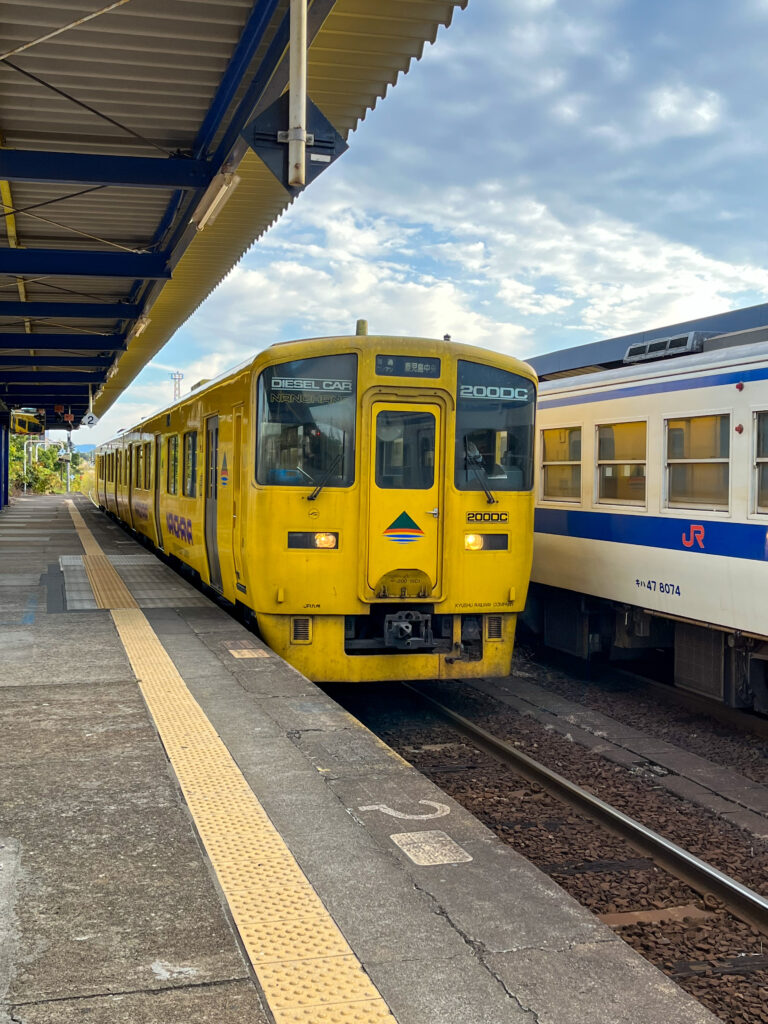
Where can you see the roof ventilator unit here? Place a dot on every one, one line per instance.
(661, 348)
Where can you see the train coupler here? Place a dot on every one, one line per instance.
(408, 629)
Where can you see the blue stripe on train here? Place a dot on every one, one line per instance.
(691, 383)
(734, 540)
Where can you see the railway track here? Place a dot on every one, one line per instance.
(680, 909)
(713, 885)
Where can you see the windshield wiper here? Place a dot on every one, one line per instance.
(474, 462)
(331, 470)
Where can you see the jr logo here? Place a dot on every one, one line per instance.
(696, 536)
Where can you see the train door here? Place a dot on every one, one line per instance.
(212, 499)
(158, 485)
(117, 466)
(130, 452)
(405, 499)
(238, 500)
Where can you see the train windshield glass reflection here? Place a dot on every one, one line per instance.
(494, 429)
(306, 422)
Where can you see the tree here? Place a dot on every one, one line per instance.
(45, 473)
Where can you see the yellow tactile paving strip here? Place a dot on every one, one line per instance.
(307, 970)
(108, 589)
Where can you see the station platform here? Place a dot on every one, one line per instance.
(191, 831)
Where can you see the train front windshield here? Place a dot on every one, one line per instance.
(494, 429)
(306, 422)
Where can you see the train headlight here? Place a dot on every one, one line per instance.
(324, 541)
(486, 542)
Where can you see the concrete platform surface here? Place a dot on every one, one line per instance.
(110, 910)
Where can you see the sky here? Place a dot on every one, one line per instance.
(552, 172)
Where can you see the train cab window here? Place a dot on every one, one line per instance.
(494, 429)
(306, 422)
(405, 450)
(621, 454)
(190, 464)
(761, 462)
(698, 452)
(147, 460)
(173, 464)
(561, 464)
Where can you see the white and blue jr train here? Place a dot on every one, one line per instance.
(651, 525)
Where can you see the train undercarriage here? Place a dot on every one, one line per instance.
(725, 665)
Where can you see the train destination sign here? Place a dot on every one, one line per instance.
(407, 366)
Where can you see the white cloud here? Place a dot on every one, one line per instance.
(570, 109)
(683, 110)
(599, 271)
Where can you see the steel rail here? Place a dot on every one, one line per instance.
(743, 902)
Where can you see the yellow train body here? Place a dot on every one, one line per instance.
(369, 499)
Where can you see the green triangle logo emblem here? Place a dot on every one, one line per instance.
(403, 522)
(403, 530)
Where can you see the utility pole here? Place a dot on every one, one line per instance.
(177, 377)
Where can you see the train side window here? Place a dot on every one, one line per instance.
(621, 457)
(173, 464)
(147, 466)
(405, 450)
(138, 471)
(190, 464)
(698, 462)
(561, 464)
(761, 462)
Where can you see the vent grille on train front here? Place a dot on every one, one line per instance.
(493, 627)
(301, 629)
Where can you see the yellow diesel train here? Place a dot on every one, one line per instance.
(368, 499)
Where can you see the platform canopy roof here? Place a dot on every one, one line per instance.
(120, 132)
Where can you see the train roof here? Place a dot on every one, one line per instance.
(737, 350)
(610, 353)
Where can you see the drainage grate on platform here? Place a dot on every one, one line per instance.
(139, 558)
(78, 593)
(154, 585)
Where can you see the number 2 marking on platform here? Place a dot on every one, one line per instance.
(440, 811)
